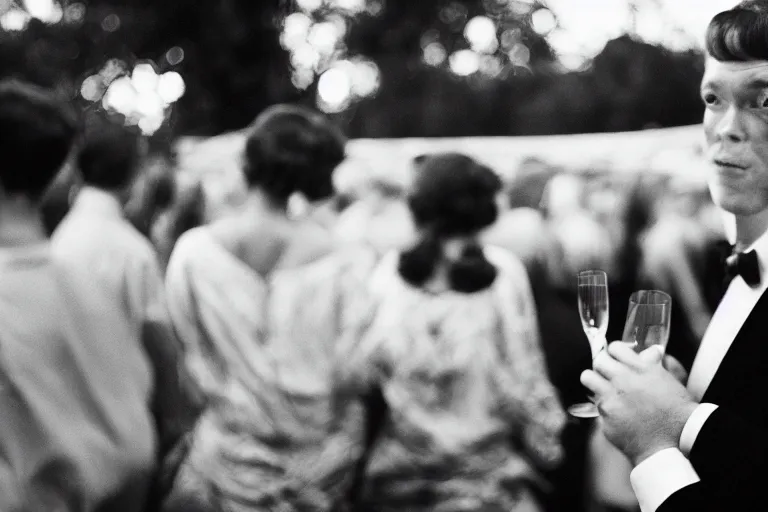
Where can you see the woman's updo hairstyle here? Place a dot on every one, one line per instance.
(452, 195)
(290, 149)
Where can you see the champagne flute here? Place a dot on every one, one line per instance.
(648, 320)
(593, 309)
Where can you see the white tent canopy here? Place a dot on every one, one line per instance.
(676, 151)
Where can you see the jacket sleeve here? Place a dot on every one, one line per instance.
(731, 457)
(730, 449)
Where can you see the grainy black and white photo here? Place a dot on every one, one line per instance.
(383, 255)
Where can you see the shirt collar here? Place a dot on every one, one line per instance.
(95, 201)
(760, 246)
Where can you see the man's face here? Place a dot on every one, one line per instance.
(736, 127)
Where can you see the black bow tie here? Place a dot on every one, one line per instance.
(743, 264)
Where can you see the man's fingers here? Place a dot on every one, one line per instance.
(624, 353)
(674, 367)
(652, 355)
(607, 366)
(595, 383)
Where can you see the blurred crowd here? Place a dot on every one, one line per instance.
(383, 347)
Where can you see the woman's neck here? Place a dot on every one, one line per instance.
(454, 247)
(259, 202)
(451, 250)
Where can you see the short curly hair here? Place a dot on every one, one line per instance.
(290, 148)
(739, 34)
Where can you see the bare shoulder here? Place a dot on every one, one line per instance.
(312, 242)
(505, 260)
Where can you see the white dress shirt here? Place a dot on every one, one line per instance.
(75, 390)
(96, 236)
(664, 473)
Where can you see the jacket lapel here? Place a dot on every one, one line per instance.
(744, 369)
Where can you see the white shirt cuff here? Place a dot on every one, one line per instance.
(659, 476)
(693, 426)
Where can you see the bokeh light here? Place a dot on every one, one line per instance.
(305, 56)
(150, 125)
(295, 30)
(92, 88)
(149, 106)
(323, 37)
(46, 11)
(454, 14)
(14, 20)
(140, 94)
(74, 13)
(175, 55)
(520, 7)
(121, 96)
(334, 90)
(434, 54)
(577, 31)
(309, 5)
(366, 78)
(346, 81)
(144, 78)
(491, 66)
(510, 37)
(543, 21)
(111, 23)
(170, 87)
(519, 55)
(340, 23)
(374, 7)
(354, 6)
(302, 78)
(480, 31)
(464, 62)
(314, 37)
(113, 69)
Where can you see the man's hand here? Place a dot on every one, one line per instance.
(677, 370)
(643, 406)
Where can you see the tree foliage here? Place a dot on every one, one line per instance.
(234, 66)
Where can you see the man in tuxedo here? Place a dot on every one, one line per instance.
(703, 444)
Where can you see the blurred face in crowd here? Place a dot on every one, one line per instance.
(735, 95)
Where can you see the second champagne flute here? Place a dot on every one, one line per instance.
(648, 320)
(593, 310)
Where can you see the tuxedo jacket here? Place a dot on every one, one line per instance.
(730, 454)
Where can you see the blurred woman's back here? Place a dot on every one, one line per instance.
(260, 299)
(452, 341)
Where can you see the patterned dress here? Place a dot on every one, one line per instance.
(470, 404)
(276, 437)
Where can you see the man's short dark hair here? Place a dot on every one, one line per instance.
(37, 132)
(740, 34)
(111, 152)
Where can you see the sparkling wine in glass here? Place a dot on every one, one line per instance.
(593, 310)
(648, 320)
